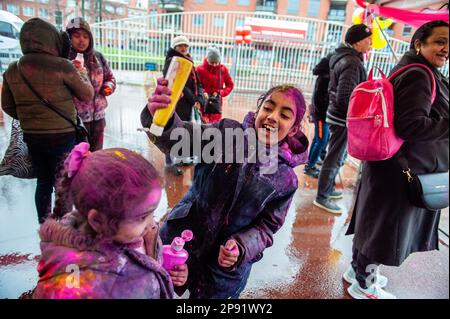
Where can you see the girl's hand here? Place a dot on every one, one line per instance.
(228, 254)
(80, 68)
(179, 275)
(160, 99)
(77, 64)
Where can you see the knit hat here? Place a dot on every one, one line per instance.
(179, 40)
(357, 33)
(213, 55)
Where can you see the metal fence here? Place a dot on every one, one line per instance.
(129, 44)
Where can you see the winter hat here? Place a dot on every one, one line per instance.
(357, 33)
(179, 40)
(213, 55)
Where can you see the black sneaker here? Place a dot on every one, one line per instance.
(327, 205)
(311, 171)
(336, 195)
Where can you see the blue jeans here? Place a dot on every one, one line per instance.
(337, 152)
(48, 152)
(319, 142)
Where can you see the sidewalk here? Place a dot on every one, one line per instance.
(310, 251)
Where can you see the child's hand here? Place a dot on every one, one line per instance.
(228, 254)
(160, 99)
(179, 275)
(77, 64)
(107, 90)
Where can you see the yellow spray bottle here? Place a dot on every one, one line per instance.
(177, 75)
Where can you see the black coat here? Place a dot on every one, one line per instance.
(320, 95)
(347, 71)
(192, 91)
(387, 227)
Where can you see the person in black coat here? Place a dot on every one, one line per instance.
(347, 71)
(387, 227)
(320, 105)
(192, 93)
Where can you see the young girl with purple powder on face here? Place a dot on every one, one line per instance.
(234, 208)
(109, 246)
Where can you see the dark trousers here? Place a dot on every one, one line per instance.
(366, 269)
(48, 152)
(96, 131)
(319, 142)
(335, 158)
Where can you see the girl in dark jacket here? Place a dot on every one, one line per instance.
(387, 227)
(235, 204)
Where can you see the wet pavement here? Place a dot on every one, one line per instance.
(310, 251)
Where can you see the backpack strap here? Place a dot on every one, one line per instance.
(423, 66)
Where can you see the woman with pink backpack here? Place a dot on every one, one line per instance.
(387, 222)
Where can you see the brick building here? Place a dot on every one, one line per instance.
(59, 11)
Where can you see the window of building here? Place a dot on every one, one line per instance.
(390, 31)
(199, 1)
(109, 8)
(198, 20)
(43, 1)
(71, 3)
(43, 13)
(240, 22)
(28, 11)
(337, 12)
(120, 10)
(407, 30)
(293, 6)
(314, 7)
(14, 9)
(219, 22)
(243, 2)
(222, 1)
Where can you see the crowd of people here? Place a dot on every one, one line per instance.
(105, 198)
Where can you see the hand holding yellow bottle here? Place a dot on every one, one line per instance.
(177, 76)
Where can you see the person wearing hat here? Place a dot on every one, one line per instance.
(192, 93)
(215, 80)
(346, 72)
(102, 79)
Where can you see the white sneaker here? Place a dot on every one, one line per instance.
(372, 292)
(350, 277)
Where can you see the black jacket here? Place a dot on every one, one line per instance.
(347, 71)
(387, 227)
(320, 95)
(192, 91)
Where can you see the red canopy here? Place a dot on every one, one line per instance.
(410, 17)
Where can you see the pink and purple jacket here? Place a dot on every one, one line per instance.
(74, 265)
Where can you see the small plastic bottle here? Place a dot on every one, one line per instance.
(174, 254)
(80, 58)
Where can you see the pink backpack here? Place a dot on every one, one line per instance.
(370, 117)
